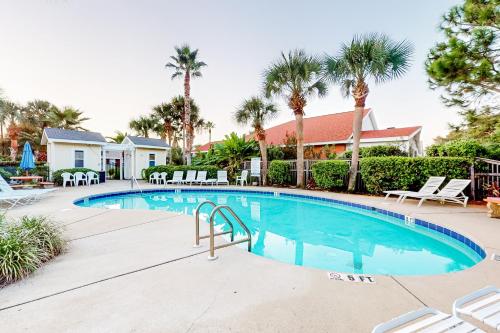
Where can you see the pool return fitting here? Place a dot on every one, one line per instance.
(220, 210)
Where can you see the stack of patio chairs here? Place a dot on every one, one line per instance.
(482, 305)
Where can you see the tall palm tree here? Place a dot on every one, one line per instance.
(257, 112)
(296, 76)
(143, 125)
(185, 63)
(118, 138)
(209, 126)
(372, 56)
(67, 118)
(170, 116)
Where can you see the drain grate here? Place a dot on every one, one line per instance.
(495, 257)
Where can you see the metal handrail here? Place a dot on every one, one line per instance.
(132, 181)
(197, 223)
(248, 239)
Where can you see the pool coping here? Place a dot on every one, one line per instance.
(472, 244)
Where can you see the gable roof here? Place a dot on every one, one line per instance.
(390, 132)
(333, 127)
(207, 146)
(147, 142)
(63, 135)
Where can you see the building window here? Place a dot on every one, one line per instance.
(152, 159)
(78, 158)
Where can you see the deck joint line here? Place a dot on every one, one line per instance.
(103, 280)
(408, 290)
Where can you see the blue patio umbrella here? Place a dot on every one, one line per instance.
(27, 161)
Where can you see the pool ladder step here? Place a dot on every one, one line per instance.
(219, 209)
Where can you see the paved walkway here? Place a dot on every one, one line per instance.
(136, 271)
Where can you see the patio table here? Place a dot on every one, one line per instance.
(27, 179)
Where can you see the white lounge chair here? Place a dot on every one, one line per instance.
(430, 187)
(222, 177)
(154, 178)
(434, 322)
(201, 177)
(68, 178)
(243, 178)
(15, 197)
(92, 177)
(483, 305)
(163, 177)
(80, 177)
(176, 178)
(190, 177)
(451, 192)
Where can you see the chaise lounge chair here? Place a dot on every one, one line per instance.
(19, 197)
(434, 322)
(201, 177)
(452, 192)
(176, 178)
(222, 177)
(483, 305)
(430, 187)
(190, 177)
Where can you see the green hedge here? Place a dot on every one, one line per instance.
(57, 178)
(409, 173)
(377, 151)
(464, 148)
(169, 169)
(330, 175)
(279, 172)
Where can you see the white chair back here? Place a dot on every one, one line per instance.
(202, 176)
(454, 188)
(431, 185)
(222, 176)
(244, 174)
(4, 186)
(191, 176)
(255, 167)
(177, 175)
(91, 175)
(163, 176)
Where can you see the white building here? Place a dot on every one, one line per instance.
(71, 149)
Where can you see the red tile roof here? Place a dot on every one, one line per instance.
(207, 146)
(390, 132)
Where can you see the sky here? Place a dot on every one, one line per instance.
(107, 58)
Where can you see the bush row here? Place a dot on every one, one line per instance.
(169, 169)
(377, 151)
(329, 175)
(407, 173)
(57, 178)
(25, 245)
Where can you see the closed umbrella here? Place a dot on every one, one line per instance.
(27, 161)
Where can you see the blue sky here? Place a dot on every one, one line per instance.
(107, 57)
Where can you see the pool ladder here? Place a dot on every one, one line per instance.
(218, 209)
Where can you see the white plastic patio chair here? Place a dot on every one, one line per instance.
(176, 178)
(451, 192)
(483, 305)
(68, 178)
(190, 177)
(243, 178)
(434, 322)
(163, 177)
(430, 187)
(201, 177)
(80, 177)
(222, 177)
(92, 177)
(154, 178)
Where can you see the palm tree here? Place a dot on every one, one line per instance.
(257, 112)
(13, 114)
(3, 120)
(209, 126)
(118, 138)
(366, 57)
(143, 125)
(67, 118)
(185, 63)
(170, 116)
(296, 76)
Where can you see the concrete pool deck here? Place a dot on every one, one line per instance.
(137, 271)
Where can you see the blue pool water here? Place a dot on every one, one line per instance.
(320, 233)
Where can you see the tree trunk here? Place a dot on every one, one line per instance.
(299, 123)
(356, 136)
(187, 117)
(263, 154)
(2, 138)
(209, 136)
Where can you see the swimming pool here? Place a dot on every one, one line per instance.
(318, 232)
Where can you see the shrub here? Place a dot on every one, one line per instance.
(274, 153)
(169, 169)
(25, 245)
(409, 173)
(330, 175)
(462, 148)
(57, 178)
(5, 174)
(377, 151)
(279, 172)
